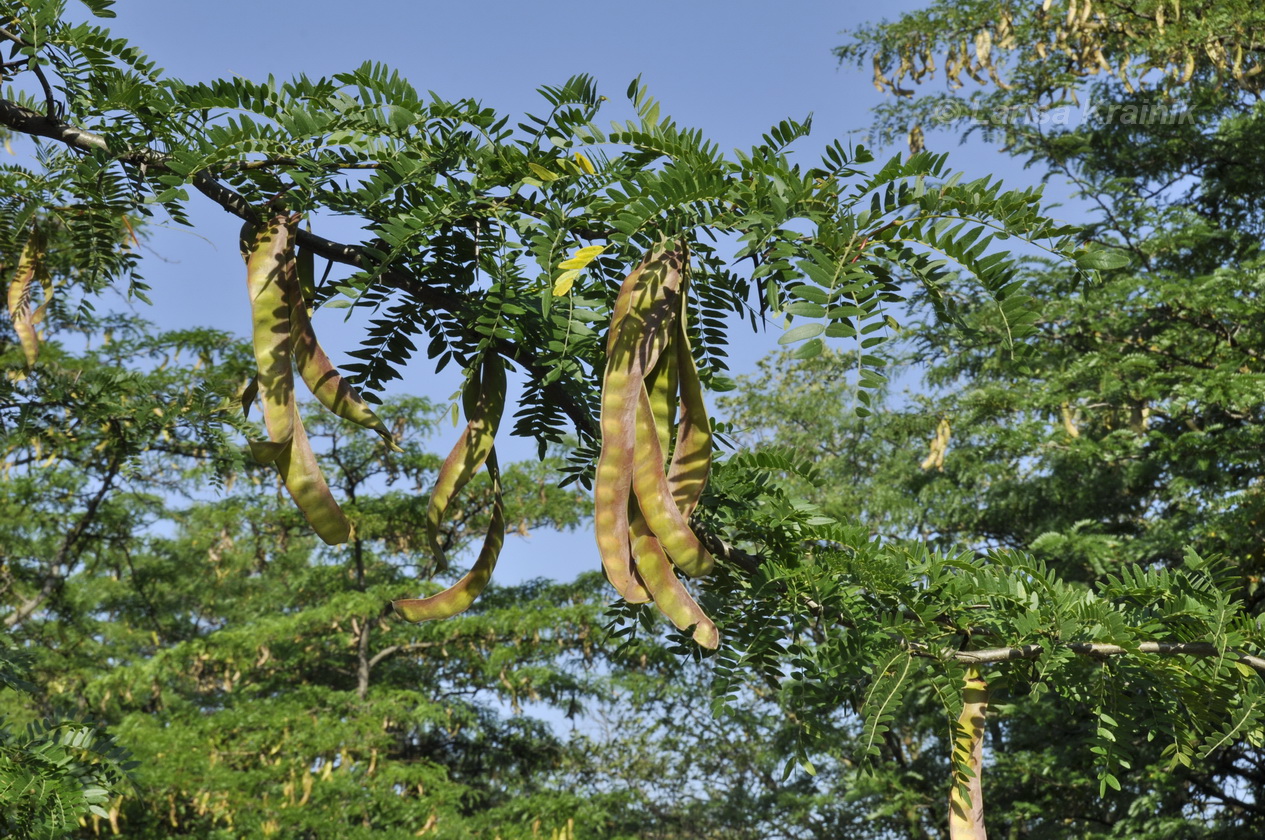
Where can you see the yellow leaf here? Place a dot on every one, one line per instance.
(582, 257)
(542, 173)
(565, 281)
(585, 163)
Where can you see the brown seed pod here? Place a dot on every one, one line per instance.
(641, 513)
(21, 286)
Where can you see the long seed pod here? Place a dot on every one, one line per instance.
(655, 499)
(692, 456)
(966, 798)
(484, 402)
(272, 286)
(306, 484)
(458, 597)
(19, 297)
(266, 251)
(323, 379)
(670, 595)
(644, 305)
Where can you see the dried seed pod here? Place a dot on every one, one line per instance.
(30, 268)
(484, 402)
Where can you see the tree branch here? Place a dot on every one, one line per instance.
(1095, 649)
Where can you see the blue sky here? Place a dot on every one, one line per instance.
(731, 69)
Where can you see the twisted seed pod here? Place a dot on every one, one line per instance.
(19, 297)
(654, 497)
(636, 340)
(670, 595)
(458, 597)
(273, 294)
(484, 402)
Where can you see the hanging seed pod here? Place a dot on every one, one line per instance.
(484, 401)
(692, 456)
(271, 281)
(655, 499)
(644, 306)
(30, 268)
(670, 595)
(324, 380)
(266, 250)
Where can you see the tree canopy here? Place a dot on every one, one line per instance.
(607, 268)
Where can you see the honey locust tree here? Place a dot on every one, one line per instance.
(606, 268)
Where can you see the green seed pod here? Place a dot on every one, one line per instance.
(484, 401)
(306, 484)
(324, 380)
(270, 280)
(266, 250)
(966, 797)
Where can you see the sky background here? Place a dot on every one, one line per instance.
(732, 69)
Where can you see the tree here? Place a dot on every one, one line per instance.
(476, 243)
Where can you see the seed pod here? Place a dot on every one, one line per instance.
(30, 268)
(323, 379)
(644, 304)
(266, 251)
(306, 484)
(273, 293)
(484, 402)
(692, 456)
(670, 595)
(654, 497)
(458, 597)
(966, 798)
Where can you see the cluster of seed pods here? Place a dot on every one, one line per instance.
(644, 500)
(285, 341)
(30, 271)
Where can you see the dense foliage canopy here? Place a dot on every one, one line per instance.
(1078, 553)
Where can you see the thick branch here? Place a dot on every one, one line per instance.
(1008, 654)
